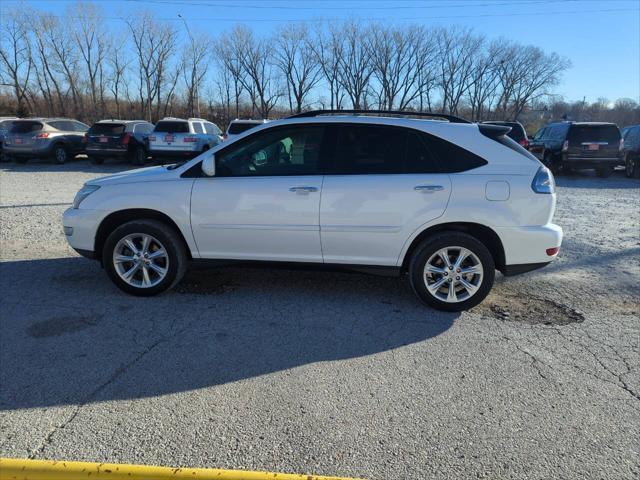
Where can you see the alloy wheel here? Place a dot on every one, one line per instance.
(141, 260)
(453, 274)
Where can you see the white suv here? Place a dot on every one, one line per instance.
(447, 202)
(175, 138)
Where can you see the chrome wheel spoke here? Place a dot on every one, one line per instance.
(462, 256)
(451, 293)
(158, 269)
(157, 254)
(123, 259)
(444, 255)
(146, 280)
(469, 287)
(433, 269)
(436, 285)
(145, 243)
(129, 273)
(453, 274)
(131, 245)
(469, 270)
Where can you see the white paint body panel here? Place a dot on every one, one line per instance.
(355, 219)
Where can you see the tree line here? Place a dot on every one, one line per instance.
(77, 66)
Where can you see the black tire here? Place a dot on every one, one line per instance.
(60, 154)
(429, 247)
(20, 159)
(170, 240)
(139, 156)
(552, 163)
(96, 160)
(632, 165)
(604, 172)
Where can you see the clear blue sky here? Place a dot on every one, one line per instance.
(600, 37)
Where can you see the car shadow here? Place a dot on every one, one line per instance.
(70, 337)
(589, 179)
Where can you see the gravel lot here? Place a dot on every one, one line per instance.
(325, 373)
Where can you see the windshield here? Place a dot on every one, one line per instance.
(594, 133)
(237, 128)
(107, 129)
(26, 127)
(172, 127)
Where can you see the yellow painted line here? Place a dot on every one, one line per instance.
(20, 469)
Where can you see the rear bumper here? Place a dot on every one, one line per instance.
(579, 161)
(528, 245)
(181, 154)
(28, 151)
(510, 270)
(107, 152)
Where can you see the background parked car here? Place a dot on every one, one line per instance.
(237, 126)
(566, 146)
(176, 138)
(517, 133)
(5, 124)
(124, 139)
(631, 150)
(57, 138)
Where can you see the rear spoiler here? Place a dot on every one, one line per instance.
(493, 131)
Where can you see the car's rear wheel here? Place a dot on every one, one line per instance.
(96, 160)
(20, 159)
(144, 257)
(139, 156)
(452, 271)
(60, 154)
(552, 163)
(605, 171)
(632, 166)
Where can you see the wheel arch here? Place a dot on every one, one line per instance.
(120, 217)
(484, 234)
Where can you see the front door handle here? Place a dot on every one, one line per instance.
(303, 189)
(428, 188)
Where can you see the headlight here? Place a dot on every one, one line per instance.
(83, 193)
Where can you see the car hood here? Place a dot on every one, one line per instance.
(148, 174)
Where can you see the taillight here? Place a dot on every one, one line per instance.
(621, 146)
(189, 139)
(565, 146)
(524, 142)
(42, 135)
(553, 251)
(126, 139)
(543, 182)
(85, 138)
(225, 136)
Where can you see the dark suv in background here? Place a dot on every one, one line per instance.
(631, 150)
(567, 146)
(517, 132)
(56, 138)
(122, 139)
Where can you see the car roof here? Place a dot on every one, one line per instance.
(592, 124)
(113, 120)
(248, 120)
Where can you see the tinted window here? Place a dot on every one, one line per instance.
(281, 151)
(594, 133)
(451, 157)
(6, 124)
(26, 127)
(237, 128)
(208, 127)
(539, 134)
(143, 128)
(556, 133)
(107, 129)
(172, 127)
(419, 158)
(363, 149)
(197, 127)
(79, 126)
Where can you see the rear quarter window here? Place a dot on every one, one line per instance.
(237, 128)
(452, 158)
(172, 127)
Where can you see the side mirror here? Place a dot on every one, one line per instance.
(209, 165)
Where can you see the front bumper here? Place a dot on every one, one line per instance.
(526, 247)
(80, 227)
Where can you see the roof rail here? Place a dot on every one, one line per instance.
(315, 113)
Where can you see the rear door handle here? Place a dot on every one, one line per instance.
(303, 189)
(428, 188)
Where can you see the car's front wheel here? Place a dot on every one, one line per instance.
(144, 257)
(452, 271)
(60, 154)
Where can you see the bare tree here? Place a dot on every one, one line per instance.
(195, 69)
(294, 57)
(118, 65)
(484, 80)
(356, 66)
(328, 49)
(16, 57)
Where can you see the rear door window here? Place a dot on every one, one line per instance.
(107, 129)
(26, 127)
(369, 149)
(197, 127)
(579, 134)
(172, 127)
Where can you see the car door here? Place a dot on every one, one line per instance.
(536, 146)
(264, 201)
(382, 184)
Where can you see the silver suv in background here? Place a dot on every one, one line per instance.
(179, 139)
(56, 138)
(237, 126)
(5, 125)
